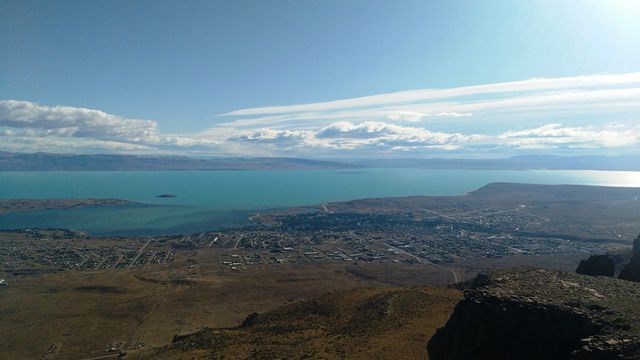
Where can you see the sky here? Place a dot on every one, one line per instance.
(321, 79)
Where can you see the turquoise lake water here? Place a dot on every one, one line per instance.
(217, 199)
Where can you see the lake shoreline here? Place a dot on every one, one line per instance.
(209, 200)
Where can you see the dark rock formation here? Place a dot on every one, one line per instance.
(201, 339)
(542, 314)
(597, 265)
(250, 319)
(631, 271)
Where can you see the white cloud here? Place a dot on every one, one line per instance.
(421, 95)
(412, 116)
(27, 120)
(396, 138)
(610, 135)
(591, 94)
(69, 145)
(381, 130)
(75, 121)
(367, 135)
(599, 111)
(273, 136)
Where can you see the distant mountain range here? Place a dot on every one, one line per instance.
(48, 162)
(528, 162)
(10, 161)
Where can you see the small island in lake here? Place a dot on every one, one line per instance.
(167, 196)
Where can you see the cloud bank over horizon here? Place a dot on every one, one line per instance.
(567, 115)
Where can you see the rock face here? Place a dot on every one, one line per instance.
(597, 265)
(631, 271)
(542, 314)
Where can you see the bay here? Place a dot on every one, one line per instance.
(209, 200)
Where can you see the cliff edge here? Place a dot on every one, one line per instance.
(631, 271)
(531, 313)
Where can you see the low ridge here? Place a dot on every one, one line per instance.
(353, 324)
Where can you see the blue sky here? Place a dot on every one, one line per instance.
(218, 78)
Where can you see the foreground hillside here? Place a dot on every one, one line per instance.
(522, 313)
(352, 324)
(91, 314)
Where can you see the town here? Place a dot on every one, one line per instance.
(316, 236)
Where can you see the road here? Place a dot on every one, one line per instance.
(238, 241)
(108, 356)
(138, 255)
(530, 214)
(456, 279)
(441, 215)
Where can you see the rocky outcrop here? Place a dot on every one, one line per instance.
(250, 320)
(597, 265)
(631, 271)
(542, 314)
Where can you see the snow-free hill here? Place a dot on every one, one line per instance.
(353, 324)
